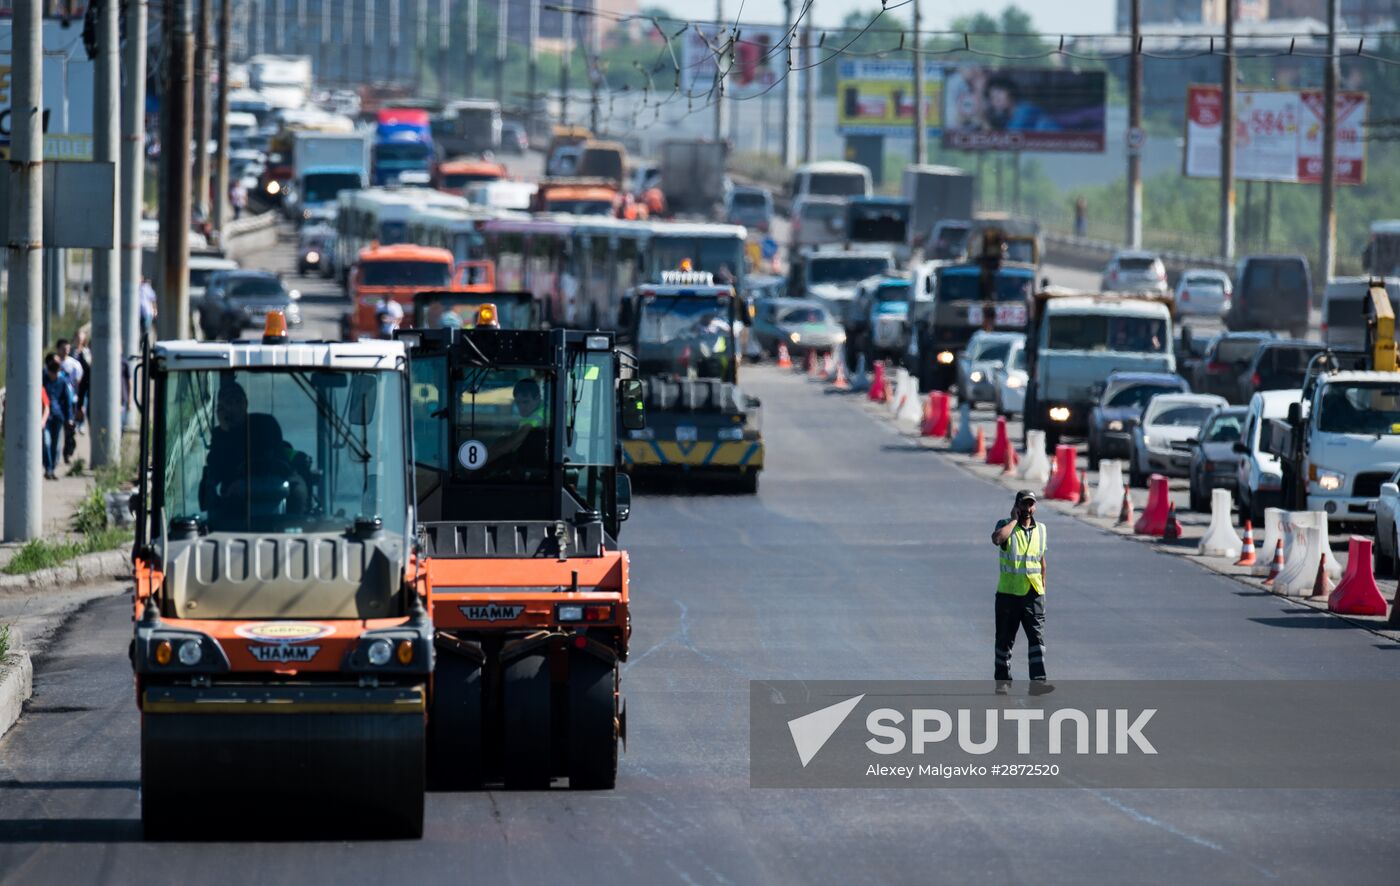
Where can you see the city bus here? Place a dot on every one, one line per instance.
(379, 217)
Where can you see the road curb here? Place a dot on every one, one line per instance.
(16, 682)
(80, 570)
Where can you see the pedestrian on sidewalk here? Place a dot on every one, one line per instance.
(1081, 217)
(148, 305)
(83, 354)
(237, 198)
(73, 371)
(62, 400)
(1020, 598)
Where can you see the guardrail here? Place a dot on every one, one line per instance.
(1091, 255)
(251, 234)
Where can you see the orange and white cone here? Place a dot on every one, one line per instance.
(1322, 585)
(1247, 557)
(841, 383)
(1009, 466)
(810, 366)
(980, 449)
(1125, 514)
(1172, 531)
(1277, 565)
(784, 358)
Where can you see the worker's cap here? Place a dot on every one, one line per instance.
(1025, 496)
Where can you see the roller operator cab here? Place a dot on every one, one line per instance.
(282, 646)
(684, 332)
(521, 501)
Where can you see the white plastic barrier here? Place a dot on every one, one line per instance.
(1305, 537)
(910, 409)
(1273, 534)
(1108, 493)
(1035, 467)
(900, 390)
(1220, 539)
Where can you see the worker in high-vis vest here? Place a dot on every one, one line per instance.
(1021, 589)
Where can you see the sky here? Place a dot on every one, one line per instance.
(1057, 16)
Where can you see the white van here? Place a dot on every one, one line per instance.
(1259, 476)
(1343, 320)
(830, 178)
(1352, 444)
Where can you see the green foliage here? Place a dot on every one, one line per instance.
(4, 641)
(90, 525)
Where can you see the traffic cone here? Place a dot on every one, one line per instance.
(841, 383)
(877, 384)
(980, 447)
(1125, 514)
(1277, 565)
(1000, 444)
(1356, 593)
(1247, 557)
(1009, 466)
(829, 366)
(1322, 586)
(1172, 531)
(809, 365)
(936, 416)
(784, 358)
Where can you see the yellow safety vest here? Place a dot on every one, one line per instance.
(1020, 562)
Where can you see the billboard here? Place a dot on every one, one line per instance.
(875, 97)
(1024, 109)
(1278, 135)
(754, 64)
(67, 92)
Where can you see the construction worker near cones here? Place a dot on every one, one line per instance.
(1021, 589)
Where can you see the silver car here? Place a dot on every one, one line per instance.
(986, 352)
(1135, 271)
(1202, 293)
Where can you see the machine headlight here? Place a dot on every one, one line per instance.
(1059, 413)
(976, 376)
(945, 357)
(274, 187)
(1014, 381)
(379, 652)
(731, 433)
(1327, 481)
(191, 651)
(313, 256)
(1115, 425)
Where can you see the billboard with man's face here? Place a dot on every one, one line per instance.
(1023, 109)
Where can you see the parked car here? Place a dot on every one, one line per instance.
(815, 221)
(1135, 271)
(1385, 550)
(1010, 380)
(1343, 317)
(800, 324)
(1202, 293)
(1227, 356)
(985, 353)
(1125, 396)
(239, 300)
(1214, 461)
(1259, 478)
(750, 207)
(1277, 365)
(1271, 292)
(514, 139)
(1168, 420)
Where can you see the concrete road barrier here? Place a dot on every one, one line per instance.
(1220, 539)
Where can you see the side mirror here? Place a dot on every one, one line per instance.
(1390, 490)
(634, 414)
(1192, 441)
(1240, 448)
(624, 497)
(1295, 414)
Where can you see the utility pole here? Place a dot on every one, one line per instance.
(502, 32)
(566, 25)
(719, 34)
(323, 42)
(23, 309)
(1329, 146)
(809, 86)
(789, 93)
(201, 109)
(444, 43)
(133, 175)
(1135, 132)
(176, 133)
(106, 388)
(221, 133)
(532, 66)
(393, 41)
(920, 118)
(471, 48)
(1227, 138)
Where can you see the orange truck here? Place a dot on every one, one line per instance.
(456, 176)
(282, 645)
(521, 502)
(394, 274)
(576, 196)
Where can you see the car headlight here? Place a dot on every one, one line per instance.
(273, 187)
(945, 357)
(1059, 413)
(313, 256)
(1146, 440)
(795, 337)
(1327, 481)
(379, 652)
(1014, 381)
(976, 376)
(1115, 425)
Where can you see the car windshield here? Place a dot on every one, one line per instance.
(683, 333)
(404, 155)
(844, 270)
(1135, 264)
(1282, 276)
(200, 276)
(832, 215)
(1138, 396)
(256, 287)
(462, 179)
(1205, 283)
(1344, 312)
(1237, 350)
(748, 200)
(892, 292)
(1280, 368)
(721, 256)
(993, 352)
(1088, 332)
(1371, 409)
(836, 184)
(877, 223)
(1225, 428)
(1181, 416)
(968, 287)
(324, 187)
(459, 311)
(581, 207)
(798, 316)
(503, 425)
(950, 242)
(1018, 359)
(427, 274)
(283, 451)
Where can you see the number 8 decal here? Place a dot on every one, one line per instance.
(472, 454)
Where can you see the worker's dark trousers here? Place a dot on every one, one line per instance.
(1014, 613)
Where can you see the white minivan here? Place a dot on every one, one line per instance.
(1343, 320)
(830, 178)
(1259, 476)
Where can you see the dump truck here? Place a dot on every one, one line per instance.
(282, 640)
(700, 424)
(935, 194)
(521, 503)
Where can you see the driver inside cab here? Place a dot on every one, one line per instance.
(272, 483)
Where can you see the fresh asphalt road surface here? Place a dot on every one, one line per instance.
(861, 557)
